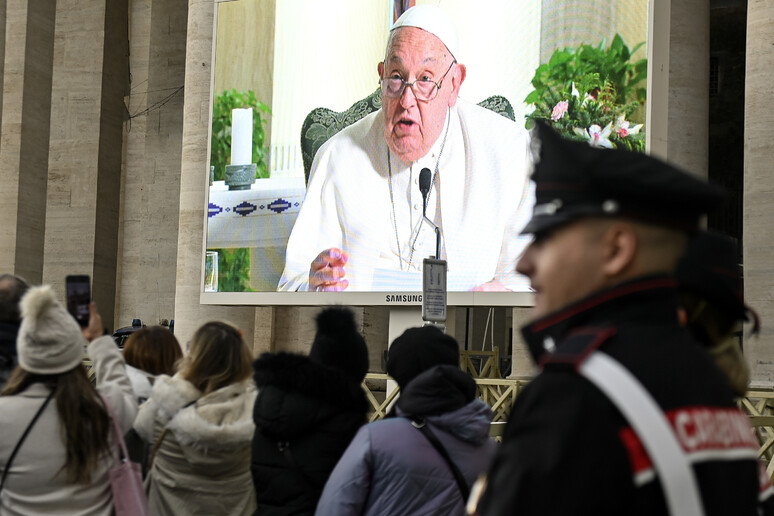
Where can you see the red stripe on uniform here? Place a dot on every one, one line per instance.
(705, 433)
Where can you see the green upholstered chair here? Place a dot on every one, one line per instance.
(322, 123)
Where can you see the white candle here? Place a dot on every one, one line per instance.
(242, 136)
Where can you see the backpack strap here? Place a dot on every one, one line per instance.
(420, 424)
(23, 437)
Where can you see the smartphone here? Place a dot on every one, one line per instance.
(78, 291)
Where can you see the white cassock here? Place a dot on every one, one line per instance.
(480, 197)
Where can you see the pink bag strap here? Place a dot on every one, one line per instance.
(123, 453)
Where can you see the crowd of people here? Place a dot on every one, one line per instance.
(634, 330)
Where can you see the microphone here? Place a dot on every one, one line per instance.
(424, 185)
(425, 178)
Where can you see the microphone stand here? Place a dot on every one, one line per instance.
(433, 269)
(424, 188)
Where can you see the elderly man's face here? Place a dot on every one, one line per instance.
(564, 266)
(411, 127)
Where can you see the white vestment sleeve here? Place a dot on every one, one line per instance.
(514, 243)
(316, 229)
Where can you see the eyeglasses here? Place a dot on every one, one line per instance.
(424, 90)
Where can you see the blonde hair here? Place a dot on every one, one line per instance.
(218, 357)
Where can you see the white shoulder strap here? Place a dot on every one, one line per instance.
(653, 429)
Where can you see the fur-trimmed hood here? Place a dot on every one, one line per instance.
(219, 420)
(298, 394)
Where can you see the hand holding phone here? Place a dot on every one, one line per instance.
(78, 291)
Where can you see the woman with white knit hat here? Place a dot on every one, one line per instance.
(54, 418)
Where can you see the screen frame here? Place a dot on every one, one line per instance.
(656, 116)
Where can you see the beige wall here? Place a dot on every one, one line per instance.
(244, 50)
(568, 24)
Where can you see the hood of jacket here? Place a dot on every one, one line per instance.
(298, 395)
(219, 420)
(446, 397)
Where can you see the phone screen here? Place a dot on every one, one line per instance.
(78, 298)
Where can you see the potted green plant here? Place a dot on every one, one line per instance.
(234, 264)
(220, 152)
(593, 93)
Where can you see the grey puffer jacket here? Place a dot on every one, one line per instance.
(202, 464)
(391, 468)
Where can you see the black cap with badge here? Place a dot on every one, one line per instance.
(574, 180)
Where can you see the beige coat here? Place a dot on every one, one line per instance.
(203, 463)
(33, 486)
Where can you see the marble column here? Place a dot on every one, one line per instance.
(758, 196)
(678, 91)
(86, 146)
(194, 181)
(26, 72)
(150, 189)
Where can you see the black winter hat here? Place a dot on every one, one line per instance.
(710, 269)
(338, 344)
(419, 349)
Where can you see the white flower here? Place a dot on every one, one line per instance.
(623, 129)
(575, 92)
(597, 136)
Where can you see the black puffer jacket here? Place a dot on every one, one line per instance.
(310, 411)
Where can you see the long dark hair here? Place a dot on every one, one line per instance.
(84, 421)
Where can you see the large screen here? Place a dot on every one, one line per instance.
(289, 76)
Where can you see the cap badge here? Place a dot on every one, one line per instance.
(548, 208)
(610, 206)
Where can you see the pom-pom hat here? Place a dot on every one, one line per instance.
(338, 344)
(434, 20)
(49, 340)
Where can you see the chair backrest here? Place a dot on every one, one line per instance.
(322, 123)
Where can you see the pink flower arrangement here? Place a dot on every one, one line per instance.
(560, 109)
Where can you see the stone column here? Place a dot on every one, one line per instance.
(85, 154)
(194, 181)
(28, 44)
(678, 94)
(150, 190)
(758, 241)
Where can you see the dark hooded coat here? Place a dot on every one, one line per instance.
(305, 416)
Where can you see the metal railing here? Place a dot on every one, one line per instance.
(500, 393)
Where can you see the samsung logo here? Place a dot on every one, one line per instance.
(403, 298)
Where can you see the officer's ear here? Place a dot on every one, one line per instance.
(619, 246)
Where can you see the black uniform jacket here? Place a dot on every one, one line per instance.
(568, 450)
(305, 416)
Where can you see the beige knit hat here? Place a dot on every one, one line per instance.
(49, 340)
